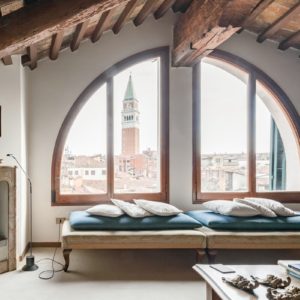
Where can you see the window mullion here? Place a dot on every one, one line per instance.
(110, 138)
(196, 130)
(251, 98)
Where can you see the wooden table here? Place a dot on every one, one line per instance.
(216, 289)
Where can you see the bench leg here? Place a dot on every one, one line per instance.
(211, 255)
(200, 255)
(66, 253)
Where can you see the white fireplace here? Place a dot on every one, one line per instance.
(7, 219)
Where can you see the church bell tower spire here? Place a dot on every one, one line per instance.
(130, 121)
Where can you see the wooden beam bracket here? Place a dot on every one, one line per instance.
(198, 32)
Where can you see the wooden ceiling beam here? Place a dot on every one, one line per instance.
(7, 7)
(277, 25)
(79, 35)
(32, 53)
(164, 7)
(291, 41)
(129, 8)
(30, 59)
(144, 13)
(198, 31)
(257, 10)
(56, 43)
(7, 2)
(38, 21)
(101, 25)
(7, 60)
(181, 5)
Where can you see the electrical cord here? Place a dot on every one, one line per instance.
(43, 275)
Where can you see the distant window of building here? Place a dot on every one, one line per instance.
(241, 117)
(76, 173)
(109, 128)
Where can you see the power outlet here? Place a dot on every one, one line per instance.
(60, 220)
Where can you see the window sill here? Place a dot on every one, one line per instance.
(287, 197)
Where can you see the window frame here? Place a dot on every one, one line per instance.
(58, 199)
(255, 74)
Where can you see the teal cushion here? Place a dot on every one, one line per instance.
(81, 220)
(217, 221)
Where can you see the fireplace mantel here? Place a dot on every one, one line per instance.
(8, 218)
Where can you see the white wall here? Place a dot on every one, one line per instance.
(13, 140)
(54, 86)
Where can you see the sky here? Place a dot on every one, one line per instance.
(87, 135)
(223, 113)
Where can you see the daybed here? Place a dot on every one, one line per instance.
(228, 232)
(133, 239)
(85, 231)
(243, 240)
(223, 233)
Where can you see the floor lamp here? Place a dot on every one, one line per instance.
(30, 265)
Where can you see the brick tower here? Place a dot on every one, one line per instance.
(130, 122)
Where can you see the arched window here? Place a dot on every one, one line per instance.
(246, 133)
(113, 142)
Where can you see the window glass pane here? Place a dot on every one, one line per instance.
(84, 166)
(224, 166)
(277, 156)
(136, 129)
(263, 145)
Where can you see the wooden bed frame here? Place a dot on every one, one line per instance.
(205, 241)
(146, 239)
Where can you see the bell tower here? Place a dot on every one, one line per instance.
(130, 122)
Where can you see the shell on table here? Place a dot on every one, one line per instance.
(242, 283)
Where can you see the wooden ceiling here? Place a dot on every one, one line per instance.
(37, 29)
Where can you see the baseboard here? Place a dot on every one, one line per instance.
(39, 245)
(46, 244)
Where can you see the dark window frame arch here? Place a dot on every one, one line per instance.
(291, 114)
(106, 77)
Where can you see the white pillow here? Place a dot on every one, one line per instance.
(264, 211)
(131, 209)
(230, 208)
(106, 210)
(158, 208)
(275, 206)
